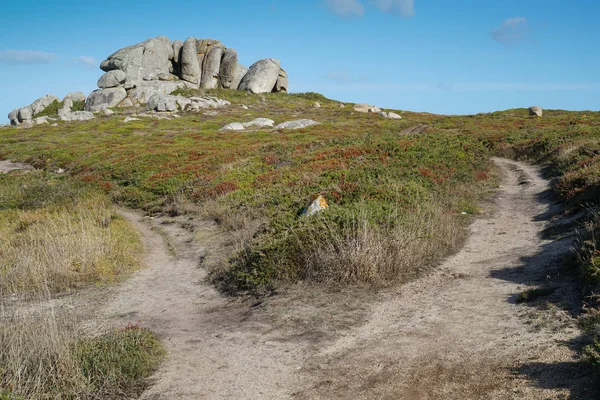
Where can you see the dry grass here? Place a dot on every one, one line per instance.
(55, 235)
(360, 252)
(66, 245)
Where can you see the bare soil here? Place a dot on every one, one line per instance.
(457, 333)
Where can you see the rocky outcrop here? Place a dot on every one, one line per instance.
(136, 73)
(194, 63)
(536, 111)
(25, 115)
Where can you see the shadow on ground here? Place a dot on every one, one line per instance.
(553, 266)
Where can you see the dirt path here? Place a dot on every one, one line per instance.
(457, 333)
(212, 352)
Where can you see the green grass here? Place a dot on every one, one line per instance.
(363, 164)
(51, 110)
(117, 364)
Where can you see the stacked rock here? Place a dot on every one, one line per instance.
(160, 66)
(28, 116)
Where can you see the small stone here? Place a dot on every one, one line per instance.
(129, 119)
(318, 204)
(317, 104)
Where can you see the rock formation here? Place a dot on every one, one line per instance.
(159, 66)
(28, 116)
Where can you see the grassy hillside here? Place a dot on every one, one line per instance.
(396, 200)
(400, 192)
(57, 233)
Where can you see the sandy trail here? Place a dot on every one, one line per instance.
(212, 353)
(457, 333)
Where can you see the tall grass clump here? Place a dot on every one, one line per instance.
(356, 246)
(56, 234)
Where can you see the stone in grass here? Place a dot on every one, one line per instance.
(234, 126)
(318, 204)
(298, 124)
(390, 115)
(536, 111)
(260, 123)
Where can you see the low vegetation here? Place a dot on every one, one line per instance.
(400, 191)
(56, 234)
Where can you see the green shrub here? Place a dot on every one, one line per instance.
(51, 110)
(119, 362)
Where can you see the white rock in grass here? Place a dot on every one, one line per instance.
(318, 204)
(234, 126)
(298, 124)
(259, 123)
(129, 119)
(390, 115)
(536, 111)
(77, 116)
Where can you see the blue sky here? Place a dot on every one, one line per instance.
(442, 56)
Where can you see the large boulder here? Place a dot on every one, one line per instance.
(190, 67)
(143, 60)
(74, 96)
(166, 103)
(536, 111)
(229, 63)
(112, 79)
(282, 82)
(77, 116)
(262, 76)
(25, 114)
(13, 116)
(211, 67)
(240, 72)
(105, 98)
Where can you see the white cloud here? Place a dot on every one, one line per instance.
(346, 8)
(405, 8)
(87, 61)
(342, 77)
(512, 31)
(25, 57)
